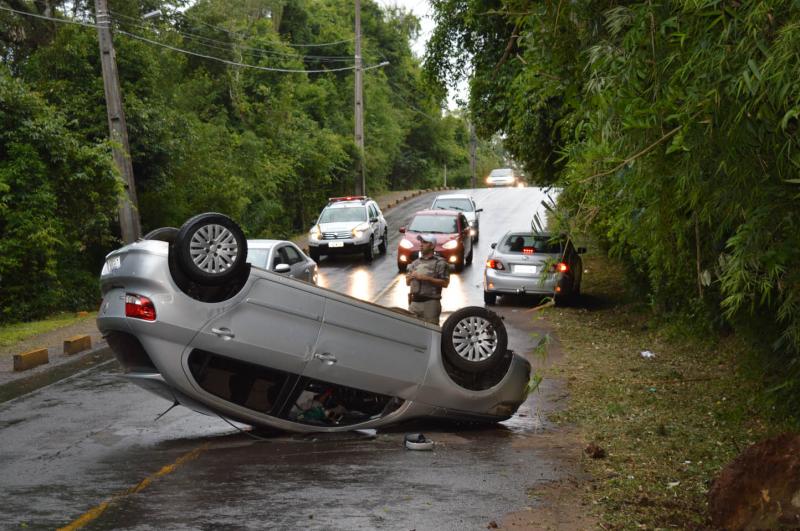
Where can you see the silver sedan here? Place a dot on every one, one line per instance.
(533, 263)
(189, 319)
(282, 257)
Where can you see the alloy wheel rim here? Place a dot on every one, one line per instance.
(213, 249)
(474, 339)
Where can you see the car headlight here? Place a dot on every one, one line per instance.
(358, 230)
(452, 244)
(405, 244)
(315, 232)
(471, 223)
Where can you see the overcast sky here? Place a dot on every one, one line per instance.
(422, 9)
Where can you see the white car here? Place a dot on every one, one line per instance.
(501, 177)
(280, 256)
(462, 203)
(353, 224)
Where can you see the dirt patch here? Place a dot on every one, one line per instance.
(760, 489)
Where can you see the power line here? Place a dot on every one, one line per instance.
(204, 40)
(229, 32)
(188, 52)
(234, 63)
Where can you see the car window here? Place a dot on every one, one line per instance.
(501, 172)
(440, 224)
(354, 213)
(291, 255)
(258, 257)
(530, 243)
(372, 212)
(456, 203)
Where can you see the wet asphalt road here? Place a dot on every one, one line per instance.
(87, 451)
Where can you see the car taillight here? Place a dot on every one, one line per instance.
(495, 264)
(139, 307)
(561, 267)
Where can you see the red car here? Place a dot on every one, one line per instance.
(453, 241)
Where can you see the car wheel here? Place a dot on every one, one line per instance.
(474, 339)
(162, 234)
(489, 298)
(402, 267)
(477, 236)
(469, 258)
(369, 252)
(210, 249)
(384, 242)
(314, 254)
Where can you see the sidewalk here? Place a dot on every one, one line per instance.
(61, 365)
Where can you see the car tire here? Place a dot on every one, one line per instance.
(384, 242)
(489, 298)
(474, 339)
(369, 251)
(162, 234)
(468, 260)
(198, 242)
(402, 267)
(314, 254)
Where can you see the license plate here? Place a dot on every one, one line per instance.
(336, 244)
(527, 269)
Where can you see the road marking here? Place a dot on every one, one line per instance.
(95, 512)
(392, 284)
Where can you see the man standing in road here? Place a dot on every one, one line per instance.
(427, 275)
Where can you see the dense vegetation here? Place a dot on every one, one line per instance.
(673, 128)
(230, 135)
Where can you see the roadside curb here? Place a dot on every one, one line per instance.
(14, 384)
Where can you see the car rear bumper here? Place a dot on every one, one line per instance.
(499, 282)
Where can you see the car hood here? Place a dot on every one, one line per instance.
(338, 226)
(441, 239)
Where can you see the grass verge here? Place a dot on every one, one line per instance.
(14, 333)
(667, 423)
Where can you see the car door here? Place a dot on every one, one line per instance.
(276, 325)
(300, 266)
(370, 350)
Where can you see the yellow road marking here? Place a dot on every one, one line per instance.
(95, 512)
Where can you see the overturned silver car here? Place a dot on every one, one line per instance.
(190, 320)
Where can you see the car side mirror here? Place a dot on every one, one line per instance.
(282, 268)
(373, 220)
(402, 230)
(478, 210)
(494, 245)
(581, 250)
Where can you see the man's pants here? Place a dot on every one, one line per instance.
(428, 310)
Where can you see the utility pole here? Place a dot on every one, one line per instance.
(117, 129)
(445, 175)
(360, 181)
(473, 144)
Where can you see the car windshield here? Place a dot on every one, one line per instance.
(332, 215)
(502, 172)
(455, 203)
(531, 243)
(437, 224)
(258, 257)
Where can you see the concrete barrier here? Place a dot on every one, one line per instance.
(75, 344)
(31, 359)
